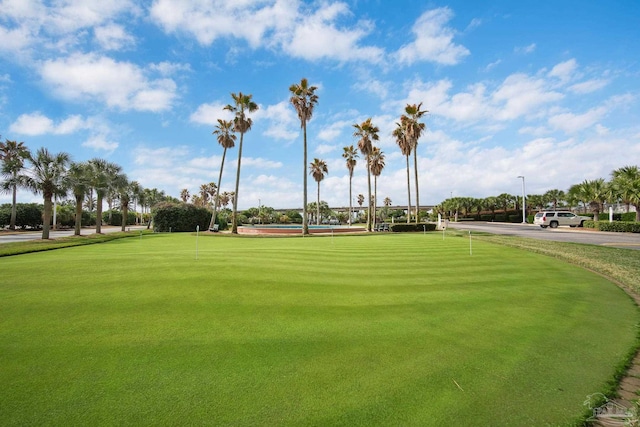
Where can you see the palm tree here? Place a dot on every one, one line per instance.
(184, 195)
(304, 99)
(78, 181)
(400, 135)
(595, 193)
(377, 164)
(136, 191)
(626, 182)
(125, 193)
(554, 197)
(103, 175)
(47, 177)
(227, 139)
(241, 124)
(13, 155)
(366, 133)
(225, 198)
(204, 194)
(318, 170)
(414, 130)
(350, 154)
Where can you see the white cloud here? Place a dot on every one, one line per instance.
(324, 149)
(260, 163)
(564, 71)
(120, 85)
(525, 49)
(334, 130)
(59, 26)
(166, 68)
(208, 114)
(317, 37)
(433, 40)
(39, 124)
(572, 123)
(520, 95)
(100, 143)
(113, 37)
(492, 65)
(371, 85)
(283, 122)
(588, 86)
(280, 24)
(209, 20)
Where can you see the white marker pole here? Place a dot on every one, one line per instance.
(470, 249)
(197, 234)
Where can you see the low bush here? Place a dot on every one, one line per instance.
(27, 215)
(180, 217)
(403, 228)
(620, 226)
(615, 226)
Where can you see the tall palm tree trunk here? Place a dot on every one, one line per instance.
(78, 224)
(98, 213)
(350, 200)
(125, 215)
(318, 206)
(305, 223)
(415, 170)
(408, 192)
(369, 187)
(14, 209)
(217, 202)
(375, 201)
(234, 228)
(46, 219)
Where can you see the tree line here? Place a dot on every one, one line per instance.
(304, 99)
(56, 176)
(589, 196)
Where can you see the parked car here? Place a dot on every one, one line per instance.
(554, 219)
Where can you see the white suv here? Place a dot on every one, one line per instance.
(555, 218)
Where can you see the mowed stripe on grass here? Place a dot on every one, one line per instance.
(351, 330)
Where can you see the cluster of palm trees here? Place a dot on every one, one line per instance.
(56, 176)
(407, 133)
(206, 196)
(225, 132)
(589, 195)
(303, 98)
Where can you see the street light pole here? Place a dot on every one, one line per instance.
(524, 212)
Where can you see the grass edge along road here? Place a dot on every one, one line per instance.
(393, 329)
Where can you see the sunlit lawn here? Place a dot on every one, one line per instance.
(352, 330)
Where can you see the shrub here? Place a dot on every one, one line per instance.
(620, 226)
(27, 215)
(116, 218)
(515, 218)
(403, 227)
(181, 217)
(5, 215)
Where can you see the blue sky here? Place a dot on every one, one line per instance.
(548, 90)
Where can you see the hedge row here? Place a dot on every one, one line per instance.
(617, 226)
(180, 217)
(402, 227)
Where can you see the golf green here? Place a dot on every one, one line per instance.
(393, 329)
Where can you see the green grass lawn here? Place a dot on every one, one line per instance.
(365, 330)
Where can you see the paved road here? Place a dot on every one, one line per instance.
(560, 234)
(22, 236)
